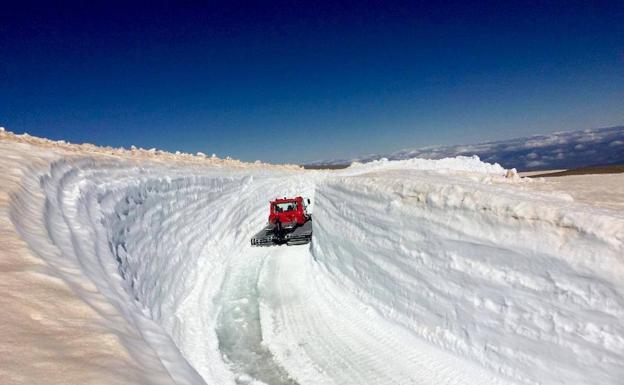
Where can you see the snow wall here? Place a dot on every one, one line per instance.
(524, 285)
(528, 285)
(149, 246)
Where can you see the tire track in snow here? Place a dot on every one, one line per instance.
(238, 328)
(323, 336)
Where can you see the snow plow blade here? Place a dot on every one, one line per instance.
(301, 235)
(268, 236)
(265, 237)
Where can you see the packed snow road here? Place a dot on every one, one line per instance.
(419, 272)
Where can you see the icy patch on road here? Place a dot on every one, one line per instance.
(239, 327)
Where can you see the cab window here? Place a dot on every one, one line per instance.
(284, 207)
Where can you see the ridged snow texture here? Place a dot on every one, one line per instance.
(529, 286)
(432, 272)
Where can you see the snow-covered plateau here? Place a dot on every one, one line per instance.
(135, 267)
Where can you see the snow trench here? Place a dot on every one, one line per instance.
(418, 273)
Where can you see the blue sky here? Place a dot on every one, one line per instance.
(302, 81)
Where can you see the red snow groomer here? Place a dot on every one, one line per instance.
(289, 223)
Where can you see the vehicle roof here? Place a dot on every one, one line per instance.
(286, 200)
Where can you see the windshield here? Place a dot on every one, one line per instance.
(283, 207)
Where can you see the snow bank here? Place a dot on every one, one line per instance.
(134, 153)
(179, 241)
(157, 241)
(58, 214)
(527, 285)
(50, 335)
(435, 272)
(458, 164)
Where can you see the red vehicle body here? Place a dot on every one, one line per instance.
(289, 223)
(289, 212)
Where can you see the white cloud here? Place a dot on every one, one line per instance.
(559, 150)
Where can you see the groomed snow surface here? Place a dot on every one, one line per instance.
(419, 272)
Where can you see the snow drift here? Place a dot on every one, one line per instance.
(419, 272)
